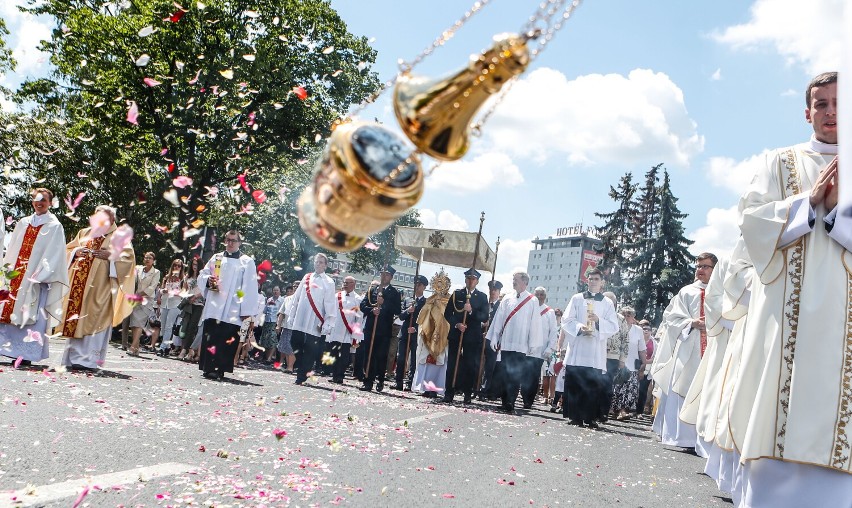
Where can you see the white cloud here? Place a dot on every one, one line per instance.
(25, 34)
(477, 174)
(734, 175)
(808, 34)
(719, 234)
(790, 93)
(717, 75)
(444, 219)
(596, 119)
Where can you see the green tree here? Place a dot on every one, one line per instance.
(662, 265)
(618, 230)
(196, 104)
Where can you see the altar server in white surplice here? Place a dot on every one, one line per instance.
(798, 440)
(589, 320)
(311, 316)
(228, 283)
(685, 327)
(515, 332)
(346, 330)
(37, 252)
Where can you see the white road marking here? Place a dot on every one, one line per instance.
(422, 418)
(53, 492)
(122, 369)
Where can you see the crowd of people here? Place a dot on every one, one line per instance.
(751, 366)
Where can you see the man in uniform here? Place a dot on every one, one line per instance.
(486, 390)
(408, 336)
(379, 305)
(465, 312)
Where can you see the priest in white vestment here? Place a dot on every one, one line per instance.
(685, 327)
(311, 316)
(37, 253)
(798, 438)
(701, 402)
(228, 283)
(515, 332)
(346, 330)
(588, 322)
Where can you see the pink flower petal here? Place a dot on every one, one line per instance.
(133, 113)
(182, 181)
(151, 82)
(80, 498)
(100, 223)
(121, 238)
(18, 362)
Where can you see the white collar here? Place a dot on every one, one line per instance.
(820, 147)
(38, 220)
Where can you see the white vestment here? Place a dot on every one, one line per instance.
(237, 294)
(39, 298)
(549, 331)
(302, 316)
(685, 307)
(707, 374)
(349, 308)
(588, 350)
(795, 379)
(522, 332)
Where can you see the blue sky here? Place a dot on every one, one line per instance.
(703, 87)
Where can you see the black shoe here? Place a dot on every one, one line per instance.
(398, 387)
(468, 398)
(593, 425)
(365, 388)
(380, 386)
(407, 388)
(25, 363)
(578, 423)
(209, 375)
(446, 400)
(553, 409)
(527, 405)
(300, 383)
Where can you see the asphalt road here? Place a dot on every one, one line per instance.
(152, 432)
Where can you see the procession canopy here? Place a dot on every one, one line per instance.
(442, 247)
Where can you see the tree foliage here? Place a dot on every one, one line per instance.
(618, 231)
(184, 117)
(644, 246)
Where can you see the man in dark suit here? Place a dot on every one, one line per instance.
(408, 335)
(379, 306)
(487, 387)
(465, 312)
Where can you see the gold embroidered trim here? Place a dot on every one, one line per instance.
(791, 309)
(840, 455)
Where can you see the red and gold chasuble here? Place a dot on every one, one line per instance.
(78, 287)
(21, 267)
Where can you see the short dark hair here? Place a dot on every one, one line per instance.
(236, 232)
(594, 271)
(44, 192)
(826, 78)
(707, 255)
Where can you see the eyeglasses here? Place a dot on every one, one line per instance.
(706, 267)
(646, 329)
